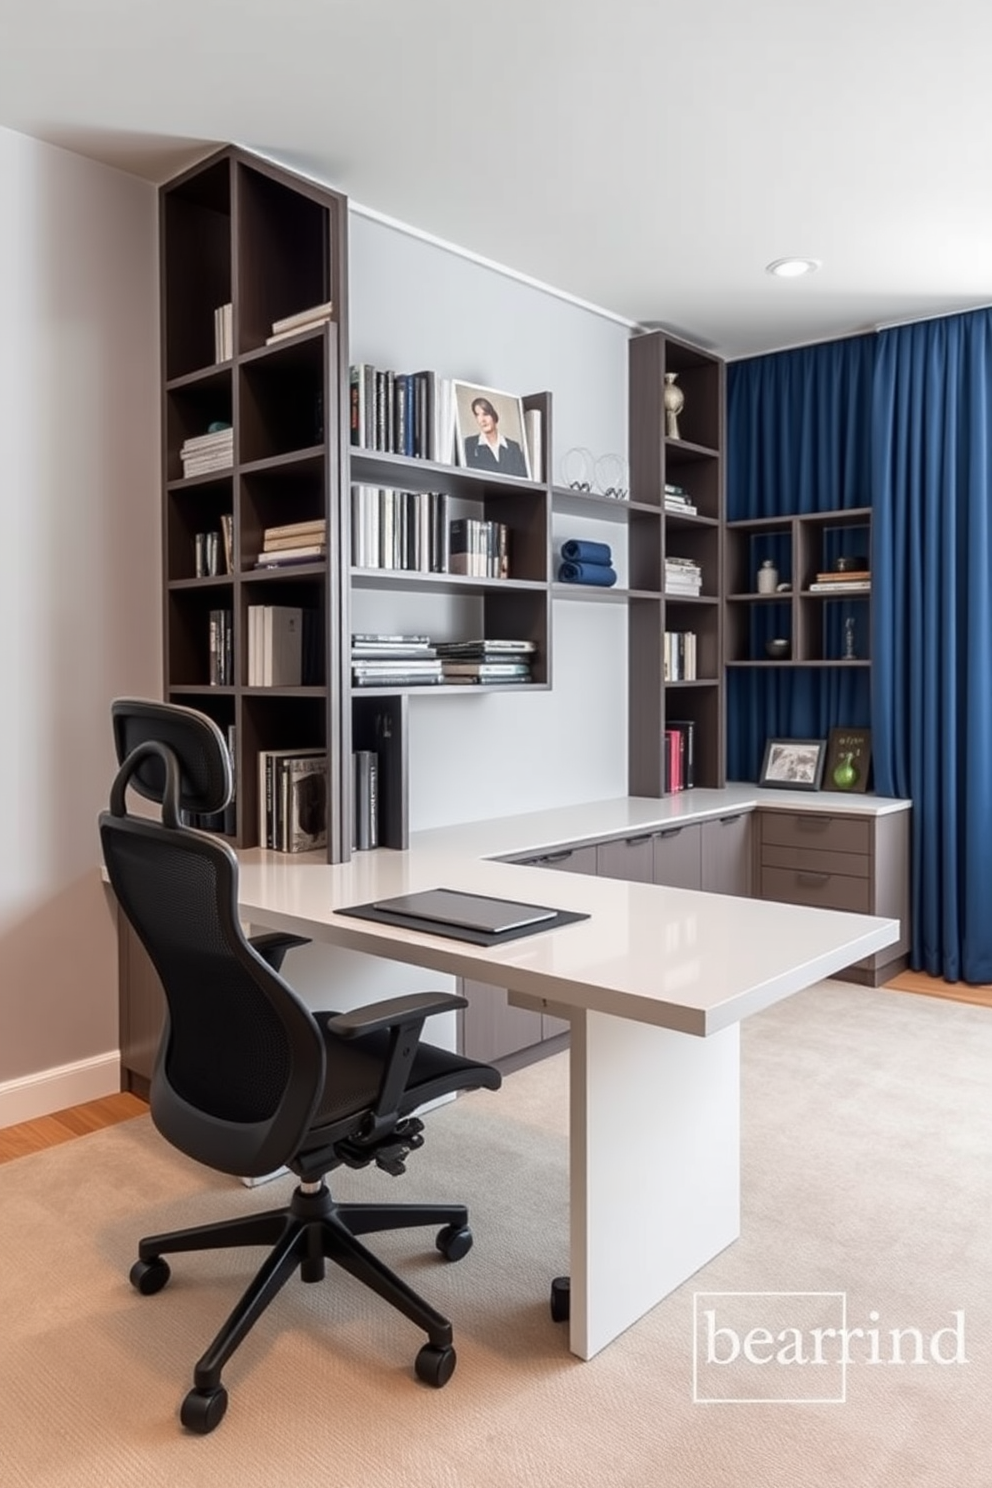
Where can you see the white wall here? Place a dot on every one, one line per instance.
(79, 599)
(415, 304)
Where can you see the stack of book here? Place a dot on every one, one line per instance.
(220, 649)
(395, 529)
(211, 451)
(393, 661)
(680, 656)
(303, 320)
(850, 581)
(295, 542)
(224, 333)
(677, 500)
(680, 749)
(292, 799)
(479, 548)
(486, 662)
(213, 551)
(683, 576)
(403, 413)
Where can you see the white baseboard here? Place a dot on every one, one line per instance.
(50, 1090)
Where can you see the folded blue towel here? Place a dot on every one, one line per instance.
(588, 573)
(586, 552)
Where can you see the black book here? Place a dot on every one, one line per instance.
(366, 823)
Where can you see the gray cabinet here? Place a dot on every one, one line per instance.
(726, 855)
(676, 857)
(630, 858)
(833, 860)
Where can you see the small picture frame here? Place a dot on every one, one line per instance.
(793, 764)
(490, 429)
(848, 759)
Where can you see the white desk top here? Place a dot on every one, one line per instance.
(684, 960)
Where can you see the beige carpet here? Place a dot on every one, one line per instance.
(867, 1170)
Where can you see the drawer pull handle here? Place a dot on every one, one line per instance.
(813, 878)
(725, 821)
(812, 823)
(672, 832)
(558, 857)
(636, 841)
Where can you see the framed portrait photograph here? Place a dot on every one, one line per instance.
(848, 759)
(794, 764)
(490, 431)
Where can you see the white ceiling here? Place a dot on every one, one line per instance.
(647, 156)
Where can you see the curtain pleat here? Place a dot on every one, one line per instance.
(932, 678)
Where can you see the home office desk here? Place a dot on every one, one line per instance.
(654, 984)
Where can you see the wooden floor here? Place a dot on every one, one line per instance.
(928, 986)
(62, 1126)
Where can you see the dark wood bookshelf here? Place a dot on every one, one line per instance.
(695, 462)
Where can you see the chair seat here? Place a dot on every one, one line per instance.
(354, 1072)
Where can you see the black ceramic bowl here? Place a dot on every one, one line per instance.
(851, 563)
(778, 649)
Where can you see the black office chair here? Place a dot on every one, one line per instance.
(247, 1079)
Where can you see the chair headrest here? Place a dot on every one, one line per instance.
(194, 741)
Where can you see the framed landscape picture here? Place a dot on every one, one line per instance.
(490, 431)
(848, 759)
(794, 764)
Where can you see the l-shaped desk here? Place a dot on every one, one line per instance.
(654, 985)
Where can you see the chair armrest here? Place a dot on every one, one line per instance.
(273, 946)
(393, 1013)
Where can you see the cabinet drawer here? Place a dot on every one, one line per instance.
(821, 890)
(567, 859)
(815, 860)
(808, 829)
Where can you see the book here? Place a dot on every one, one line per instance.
(294, 541)
(310, 325)
(303, 798)
(303, 317)
(365, 832)
(848, 576)
(491, 645)
(485, 669)
(308, 553)
(274, 796)
(296, 529)
(849, 586)
(686, 729)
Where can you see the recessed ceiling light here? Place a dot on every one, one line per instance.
(792, 268)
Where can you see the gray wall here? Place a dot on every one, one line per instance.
(79, 602)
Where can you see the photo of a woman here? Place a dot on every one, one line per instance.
(490, 429)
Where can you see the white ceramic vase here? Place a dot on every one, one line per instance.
(674, 399)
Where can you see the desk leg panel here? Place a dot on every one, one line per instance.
(654, 1167)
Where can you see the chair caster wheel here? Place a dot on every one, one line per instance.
(454, 1242)
(561, 1299)
(434, 1365)
(149, 1277)
(203, 1410)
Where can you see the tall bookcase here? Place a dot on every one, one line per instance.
(238, 231)
(235, 230)
(694, 463)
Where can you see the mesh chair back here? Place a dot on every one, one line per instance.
(240, 1068)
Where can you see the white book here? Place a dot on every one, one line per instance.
(309, 325)
(534, 436)
(304, 317)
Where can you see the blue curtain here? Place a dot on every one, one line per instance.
(932, 675)
(798, 440)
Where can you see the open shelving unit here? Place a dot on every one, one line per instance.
(238, 231)
(694, 462)
(812, 621)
